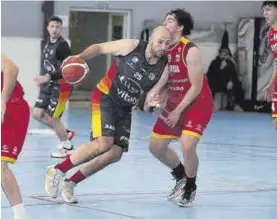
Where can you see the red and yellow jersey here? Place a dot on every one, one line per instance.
(17, 93)
(179, 83)
(272, 38)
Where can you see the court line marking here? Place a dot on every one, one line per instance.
(137, 193)
(51, 132)
(86, 207)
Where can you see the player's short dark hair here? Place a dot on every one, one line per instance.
(184, 19)
(269, 3)
(55, 18)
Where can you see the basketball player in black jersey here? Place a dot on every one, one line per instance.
(54, 92)
(137, 68)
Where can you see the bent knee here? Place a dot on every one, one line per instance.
(105, 143)
(115, 154)
(158, 147)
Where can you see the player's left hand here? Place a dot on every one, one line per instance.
(172, 118)
(42, 79)
(153, 100)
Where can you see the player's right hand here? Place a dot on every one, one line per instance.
(268, 92)
(65, 60)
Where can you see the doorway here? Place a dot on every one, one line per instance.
(88, 27)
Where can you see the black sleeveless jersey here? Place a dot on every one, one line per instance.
(53, 55)
(130, 76)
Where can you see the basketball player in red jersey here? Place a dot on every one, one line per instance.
(15, 116)
(188, 108)
(270, 15)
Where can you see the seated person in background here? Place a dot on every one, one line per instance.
(222, 78)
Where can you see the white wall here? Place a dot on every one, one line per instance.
(21, 18)
(25, 52)
(203, 12)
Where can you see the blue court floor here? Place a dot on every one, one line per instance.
(237, 174)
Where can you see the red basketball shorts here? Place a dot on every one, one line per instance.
(192, 122)
(14, 129)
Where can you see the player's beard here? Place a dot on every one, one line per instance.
(159, 54)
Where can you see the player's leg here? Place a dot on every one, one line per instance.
(60, 94)
(122, 134)
(274, 122)
(12, 140)
(12, 191)
(189, 143)
(93, 166)
(41, 105)
(274, 107)
(103, 126)
(159, 147)
(195, 122)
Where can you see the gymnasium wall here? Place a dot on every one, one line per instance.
(20, 39)
(22, 31)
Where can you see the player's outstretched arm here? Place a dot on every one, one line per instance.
(269, 89)
(195, 74)
(114, 48)
(10, 71)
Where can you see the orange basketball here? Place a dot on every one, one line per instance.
(74, 69)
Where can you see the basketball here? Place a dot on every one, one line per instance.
(74, 69)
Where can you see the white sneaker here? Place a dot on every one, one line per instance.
(62, 152)
(67, 189)
(52, 181)
(178, 189)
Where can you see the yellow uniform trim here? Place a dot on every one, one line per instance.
(103, 87)
(8, 159)
(59, 110)
(163, 136)
(186, 132)
(274, 115)
(96, 120)
(185, 40)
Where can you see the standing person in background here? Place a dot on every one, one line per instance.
(54, 91)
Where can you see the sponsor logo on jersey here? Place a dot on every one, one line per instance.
(111, 127)
(177, 58)
(126, 97)
(132, 86)
(135, 59)
(151, 76)
(174, 69)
